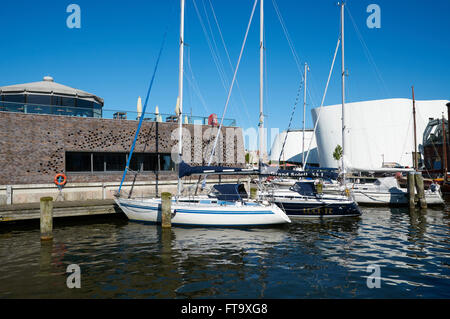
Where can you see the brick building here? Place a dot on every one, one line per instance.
(38, 141)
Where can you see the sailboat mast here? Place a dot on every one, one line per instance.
(444, 149)
(304, 115)
(180, 93)
(261, 84)
(343, 94)
(415, 162)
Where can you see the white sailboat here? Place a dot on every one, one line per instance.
(387, 191)
(300, 198)
(383, 191)
(201, 211)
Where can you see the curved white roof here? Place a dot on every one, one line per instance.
(48, 86)
(293, 148)
(377, 130)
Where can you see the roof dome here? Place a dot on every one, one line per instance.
(48, 86)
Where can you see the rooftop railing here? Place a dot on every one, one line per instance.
(104, 113)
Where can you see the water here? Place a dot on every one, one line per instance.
(307, 259)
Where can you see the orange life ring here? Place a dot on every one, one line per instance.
(60, 182)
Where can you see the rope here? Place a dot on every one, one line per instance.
(214, 55)
(231, 88)
(323, 99)
(291, 45)
(290, 120)
(193, 81)
(143, 111)
(368, 55)
(229, 60)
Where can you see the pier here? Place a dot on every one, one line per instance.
(31, 211)
(21, 202)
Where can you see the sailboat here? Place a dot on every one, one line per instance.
(381, 191)
(200, 211)
(304, 197)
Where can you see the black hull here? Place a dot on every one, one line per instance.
(318, 209)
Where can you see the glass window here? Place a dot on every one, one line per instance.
(78, 162)
(97, 110)
(68, 101)
(56, 100)
(115, 161)
(39, 109)
(146, 162)
(17, 98)
(166, 162)
(150, 162)
(99, 162)
(136, 163)
(84, 104)
(39, 99)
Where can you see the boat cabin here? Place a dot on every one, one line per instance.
(304, 188)
(229, 192)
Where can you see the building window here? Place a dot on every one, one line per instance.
(98, 162)
(144, 162)
(39, 99)
(166, 162)
(115, 162)
(78, 162)
(15, 98)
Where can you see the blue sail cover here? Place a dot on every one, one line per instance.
(187, 170)
(304, 188)
(230, 192)
(330, 173)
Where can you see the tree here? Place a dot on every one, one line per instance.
(337, 154)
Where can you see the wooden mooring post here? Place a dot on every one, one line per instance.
(46, 208)
(411, 190)
(253, 192)
(420, 190)
(166, 212)
(416, 191)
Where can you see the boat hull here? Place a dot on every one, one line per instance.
(394, 199)
(311, 209)
(204, 213)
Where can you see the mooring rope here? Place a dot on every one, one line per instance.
(230, 90)
(290, 120)
(141, 119)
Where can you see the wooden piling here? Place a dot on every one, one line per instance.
(411, 188)
(46, 207)
(319, 188)
(166, 212)
(253, 192)
(420, 190)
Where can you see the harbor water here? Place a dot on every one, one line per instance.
(385, 253)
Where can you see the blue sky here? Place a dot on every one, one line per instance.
(114, 52)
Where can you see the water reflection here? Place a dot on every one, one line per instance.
(307, 259)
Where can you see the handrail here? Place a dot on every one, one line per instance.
(104, 113)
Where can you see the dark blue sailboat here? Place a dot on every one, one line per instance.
(303, 200)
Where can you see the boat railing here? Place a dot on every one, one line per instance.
(105, 113)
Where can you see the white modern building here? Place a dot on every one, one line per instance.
(378, 131)
(292, 151)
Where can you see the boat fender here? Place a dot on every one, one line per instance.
(60, 179)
